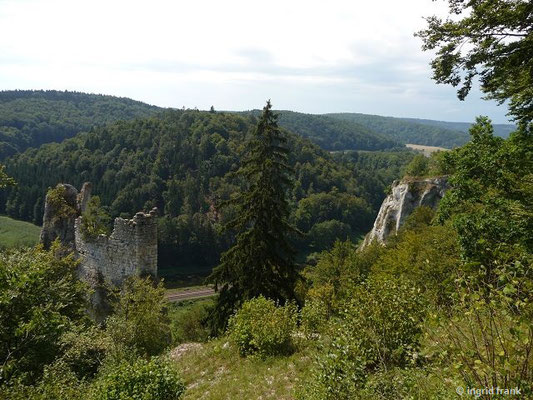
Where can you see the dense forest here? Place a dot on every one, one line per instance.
(30, 118)
(501, 130)
(407, 131)
(181, 162)
(334, 134)
(442, 309)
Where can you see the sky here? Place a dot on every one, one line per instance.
(308, 56)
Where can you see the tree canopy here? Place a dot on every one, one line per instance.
(489, 39)
(261, 261)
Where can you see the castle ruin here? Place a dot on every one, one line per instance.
(130, 250)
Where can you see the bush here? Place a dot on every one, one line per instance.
(314, 317)
(84, 349)
(140, 322)
(487, 341)
(57, 383)
(379, 328)
(96, 221)
(418, 166)
(156, 379)
(188, 322)
(41, 298)
(260, 327)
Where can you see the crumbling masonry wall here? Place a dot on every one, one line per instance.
(130, 250)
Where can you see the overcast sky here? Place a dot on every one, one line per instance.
(309, 56)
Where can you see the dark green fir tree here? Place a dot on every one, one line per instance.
(261, 261)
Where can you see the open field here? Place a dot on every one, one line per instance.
(15, 233)
(427, 150)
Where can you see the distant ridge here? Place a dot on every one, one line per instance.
(502, 130)
(332, 134)
(406, 131)
(30, 118)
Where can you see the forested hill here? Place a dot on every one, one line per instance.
(407, 131)
(502, 130)
(333, 134)
(30, 118)
(179, 161)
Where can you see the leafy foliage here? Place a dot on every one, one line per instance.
(189, 322)
(139, 322)
(492, 40)
(40, 299)
(263, 328)
(491, 200)
(379, 328)
(96, 221)
(155, 379)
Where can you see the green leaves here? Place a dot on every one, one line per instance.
(40, 299)
(492, 40)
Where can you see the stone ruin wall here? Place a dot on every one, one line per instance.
(130, 250)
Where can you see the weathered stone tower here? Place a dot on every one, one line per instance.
(130, 250)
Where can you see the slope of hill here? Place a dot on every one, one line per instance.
(179, 161)
(407, 131)
(502, 130)
(30, 118)
(331, 133)
(15, 233)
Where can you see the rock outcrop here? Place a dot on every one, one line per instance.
(60, 211)
(405, 196)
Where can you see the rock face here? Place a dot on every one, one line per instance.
(406, 195)
(60, 211)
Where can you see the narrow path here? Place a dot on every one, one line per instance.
(190, 294)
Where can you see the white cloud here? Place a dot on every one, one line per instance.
(309, 55)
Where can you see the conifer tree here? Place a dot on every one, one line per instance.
(261, 261)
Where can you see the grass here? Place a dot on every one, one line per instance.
(215, 370)
(15, 233)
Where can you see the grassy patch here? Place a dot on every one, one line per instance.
(15, 233)
(216, 371)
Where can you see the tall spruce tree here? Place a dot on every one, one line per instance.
(261, 262)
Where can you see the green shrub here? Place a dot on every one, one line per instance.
(57, 383)
(406, 383)
(260, 327)
(140, 322)
(314, 317)
(487, 341)
(156, 379)
(379, 328)
(189, 322)
(84, 350)
(96, 221)
(41, 298)
(418, 167)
